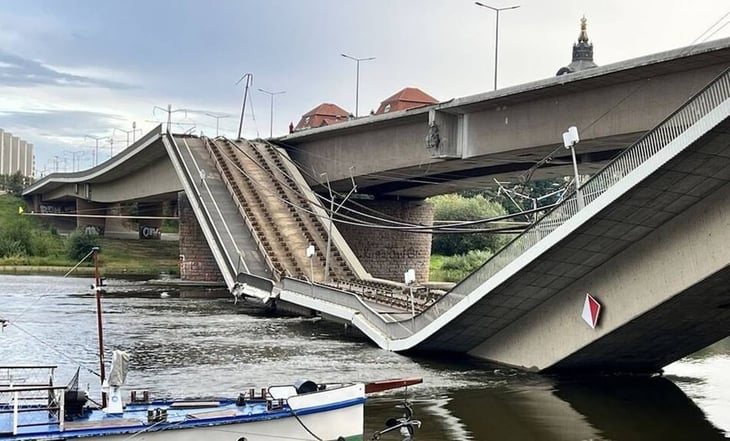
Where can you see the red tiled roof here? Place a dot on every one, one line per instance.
(322, 115)
(406, 98)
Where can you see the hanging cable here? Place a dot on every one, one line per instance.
(406, 227)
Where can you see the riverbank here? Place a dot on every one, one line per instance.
(122, 258)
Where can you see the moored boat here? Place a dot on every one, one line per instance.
(34, 408)
(302, 411)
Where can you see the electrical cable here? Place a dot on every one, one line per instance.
(352, 221)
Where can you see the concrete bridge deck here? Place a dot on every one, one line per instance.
(640, 245)
(650, 244)
(505, 133)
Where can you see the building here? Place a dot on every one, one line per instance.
(323, 115)
(406, 98)
(582, 53)
(16, 155)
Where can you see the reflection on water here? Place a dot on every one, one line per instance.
(210, 347)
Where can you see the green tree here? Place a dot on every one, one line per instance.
(455, 208)
(532, 192)
(80, 243)
(16, 183)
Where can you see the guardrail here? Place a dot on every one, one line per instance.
(693, 111)
(702, 103)
(18, 404)
(229, 275)
(28, 398)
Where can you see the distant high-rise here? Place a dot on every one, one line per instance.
(16, 155)
(582, 53)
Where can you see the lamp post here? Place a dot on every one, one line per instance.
(249, 80)
(111, 145)
(310, 255)
(570, 139)
(496, 34)
(127, 132)
(271, 109)
(217, 117)
(96, 152)
(74, 155)
(410, 278)
(357, 79)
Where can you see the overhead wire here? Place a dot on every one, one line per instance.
(404, 226)
(526, 177)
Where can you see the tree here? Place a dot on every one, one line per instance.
(455, 208)
(531, 193)
(16, 183)
(80, 244)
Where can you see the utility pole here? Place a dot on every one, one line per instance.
(332, 213)
(249, 80)
(169, 112)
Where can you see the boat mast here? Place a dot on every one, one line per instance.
(99, 327)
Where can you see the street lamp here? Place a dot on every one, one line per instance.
(133, 132)
(570, 139)
(74, 155)
(249, 80)
(111, 145)
(496, 34)
(410, 278)
(96, 152)
(310, 255)
(271, 108)
(357, 79)
(217, 117)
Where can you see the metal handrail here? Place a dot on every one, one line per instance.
(652, 142)
(198, 196)
(694, 109)
(16, 409)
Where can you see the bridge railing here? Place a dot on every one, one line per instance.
(697, 107)
(225, 262)
(694, 110)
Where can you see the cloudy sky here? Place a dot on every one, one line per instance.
(84, 67)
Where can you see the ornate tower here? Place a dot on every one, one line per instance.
(582, 52)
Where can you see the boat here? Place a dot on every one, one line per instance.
(34, 408)
(301, 411)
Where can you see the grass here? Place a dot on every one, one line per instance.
(118, 257)
(139, 257)
(456, 268)
(438, 274)
(48, 250)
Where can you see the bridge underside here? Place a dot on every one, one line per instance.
(507, 134)
(658, 262)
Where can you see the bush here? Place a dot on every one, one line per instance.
(15, 238)
(453, 207)
(456, 268)
(10, 248)
(468, 262)
(79, 244)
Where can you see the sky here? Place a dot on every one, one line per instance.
(75, 69)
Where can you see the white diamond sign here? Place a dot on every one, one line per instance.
(591, 309)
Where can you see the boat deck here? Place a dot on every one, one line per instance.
(37, 422)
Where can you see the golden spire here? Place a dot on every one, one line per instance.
(583, 37)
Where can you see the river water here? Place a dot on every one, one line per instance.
(188, 347)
